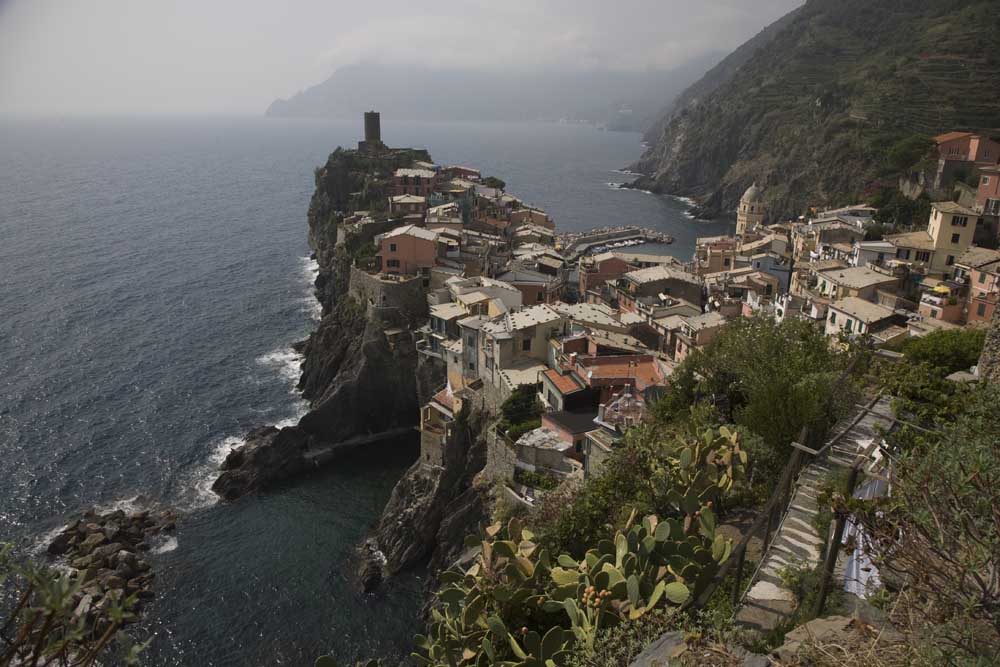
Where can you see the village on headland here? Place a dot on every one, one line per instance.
(594, 328)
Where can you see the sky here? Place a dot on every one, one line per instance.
(236, 56)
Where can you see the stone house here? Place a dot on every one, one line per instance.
(856, 281)
(595, 270)
(408, 206)
(696, 332)
(979, 269)
(963, 152)
(514, 346)
(949, 233)
(650, 285)
(409, 250)
(855, 316)
(988, 192)
(419, 182)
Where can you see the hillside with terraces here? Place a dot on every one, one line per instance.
(839, 84)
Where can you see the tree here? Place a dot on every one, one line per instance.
(949, 351)
(772, 379)
(494, 182)
(906, 153)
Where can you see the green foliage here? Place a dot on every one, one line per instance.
(521, 412)
(772, 379)
(516, 605)
(907, 152)
(938, 533)
(494, 182)
(897, 211)
(536, 480)
(921, 392)
(515, 431)
(644, 473)
(44, 624)
(618, 646)
(949, 351)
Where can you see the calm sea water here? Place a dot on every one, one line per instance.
(153, 274)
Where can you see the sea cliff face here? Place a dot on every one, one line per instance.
(360, 384)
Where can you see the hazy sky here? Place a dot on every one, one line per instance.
(169, 56)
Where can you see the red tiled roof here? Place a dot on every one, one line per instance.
(564, 383)
(445, 399)
(644, 370)
(950, 136)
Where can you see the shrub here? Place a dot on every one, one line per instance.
(938, 535)
(948, 351)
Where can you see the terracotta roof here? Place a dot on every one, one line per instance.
(918, 240)
(642, 368)
(445, 398)
(564, 383)
(951, 136)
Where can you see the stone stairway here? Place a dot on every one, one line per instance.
(796, 541)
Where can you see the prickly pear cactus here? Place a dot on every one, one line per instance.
(514, 607)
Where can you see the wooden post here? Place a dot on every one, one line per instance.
(833, 551)
(737, 587)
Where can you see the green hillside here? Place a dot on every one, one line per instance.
(812, 113)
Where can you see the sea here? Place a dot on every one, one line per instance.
(154, 273)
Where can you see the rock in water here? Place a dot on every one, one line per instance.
(269, 455)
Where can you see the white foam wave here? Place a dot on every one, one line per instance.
(165, 544)
(205, 475)
(286, 361)
(310, 271)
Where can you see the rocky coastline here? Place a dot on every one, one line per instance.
(105, 552)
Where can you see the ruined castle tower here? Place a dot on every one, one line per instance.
(373, 132)
(750, 214)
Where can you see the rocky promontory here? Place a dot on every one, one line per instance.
(106, 551)
(361, 375)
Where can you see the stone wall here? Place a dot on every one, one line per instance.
(393, 302)
(358, 235)
(500, 458)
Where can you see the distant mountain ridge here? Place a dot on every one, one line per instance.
(619, 100)
(821, 95)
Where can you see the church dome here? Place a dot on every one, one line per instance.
(752, 195)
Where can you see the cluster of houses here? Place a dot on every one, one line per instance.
(596, 340)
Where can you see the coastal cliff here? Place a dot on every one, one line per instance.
(362, 378)
(433, 509)
(838, 82)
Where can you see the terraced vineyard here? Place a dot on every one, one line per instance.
(811, 114)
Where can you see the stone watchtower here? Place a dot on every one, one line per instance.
(373, 132)
(750, 214)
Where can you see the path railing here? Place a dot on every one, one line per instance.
(774, 511)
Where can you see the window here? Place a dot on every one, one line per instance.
(578, 445)
(849, 327)
(541, 296)
(833, 317)
(955, 238)
(982, 276)
(950, 260)
(923, 256)
(472, 366)
(903, 254)
(986, 179)
(393, 263)
(392, 247)
(981, 310)
(551, 397)
(526, 345)
(960, 221)
(472, 341)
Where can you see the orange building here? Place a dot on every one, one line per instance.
(408, 250)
